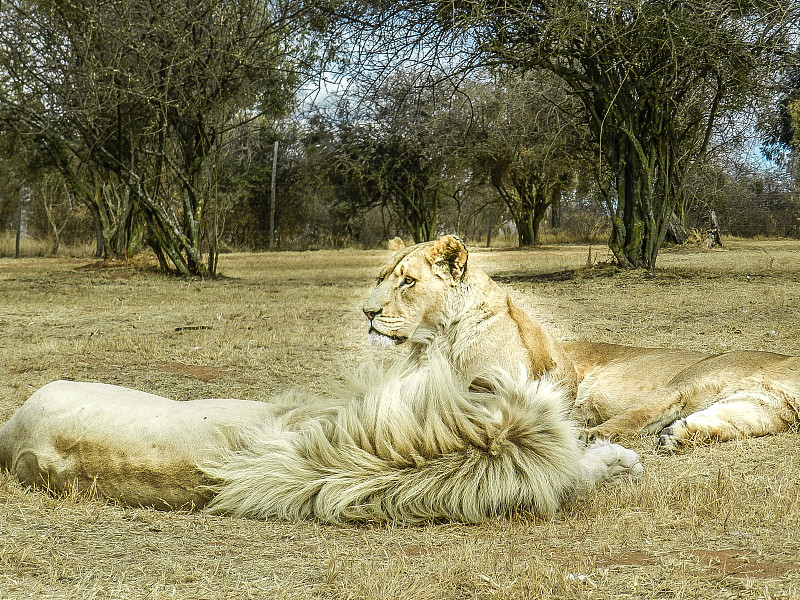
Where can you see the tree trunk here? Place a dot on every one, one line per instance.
(102, 249)
(422, 230)
(540, 205)
(643, 205)
(418, 211)
(523, 213)
(23, 192)
(526, 232)
(491, 228)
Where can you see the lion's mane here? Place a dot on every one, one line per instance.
(409, 447)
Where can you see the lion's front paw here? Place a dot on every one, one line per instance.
(604, 461)
(672, 437)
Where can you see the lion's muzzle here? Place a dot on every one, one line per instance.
(377, 337)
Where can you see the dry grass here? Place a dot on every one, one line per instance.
(722, 521)
(29, 246)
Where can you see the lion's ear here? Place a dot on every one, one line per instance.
(395, 244)
(451, 253)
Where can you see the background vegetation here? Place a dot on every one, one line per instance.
(188, 128)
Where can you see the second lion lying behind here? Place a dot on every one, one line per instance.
(429, 296)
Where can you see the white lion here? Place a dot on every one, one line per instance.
(399, 445)
(131, 446)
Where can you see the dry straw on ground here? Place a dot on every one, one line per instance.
(721, 521)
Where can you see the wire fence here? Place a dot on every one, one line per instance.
(38, 230)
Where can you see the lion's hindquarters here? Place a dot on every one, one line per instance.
(453, 456)
(406, 447)
(122, 444)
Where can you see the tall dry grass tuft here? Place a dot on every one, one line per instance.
(33, 247)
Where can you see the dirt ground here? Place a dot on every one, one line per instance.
(718, 521)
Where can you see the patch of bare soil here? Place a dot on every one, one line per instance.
(733, 562)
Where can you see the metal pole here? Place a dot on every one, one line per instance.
(491, 227)
(272, 202)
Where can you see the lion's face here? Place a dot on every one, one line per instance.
(413, 289)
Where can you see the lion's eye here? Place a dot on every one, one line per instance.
(408, 281)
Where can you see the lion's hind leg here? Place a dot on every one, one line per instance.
(741, 414)
(649, 416)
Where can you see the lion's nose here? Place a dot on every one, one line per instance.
(372, 313)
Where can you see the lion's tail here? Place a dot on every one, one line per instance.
(409, 447)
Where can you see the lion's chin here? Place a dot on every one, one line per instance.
(383, 341)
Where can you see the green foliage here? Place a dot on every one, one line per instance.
(148, 111)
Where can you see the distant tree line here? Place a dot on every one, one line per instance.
(153, 124)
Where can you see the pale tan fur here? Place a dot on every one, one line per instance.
(717, 397)
(620, 390)
(134, 447)
(613, 377)
(428, 296)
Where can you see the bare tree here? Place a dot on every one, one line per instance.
(527, 147)
(401, 149)
(57, 203)
(131, 99)
(652, 76)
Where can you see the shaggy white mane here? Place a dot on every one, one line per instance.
(411, 447)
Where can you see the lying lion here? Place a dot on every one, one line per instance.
(428, 295)
(401, 445)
